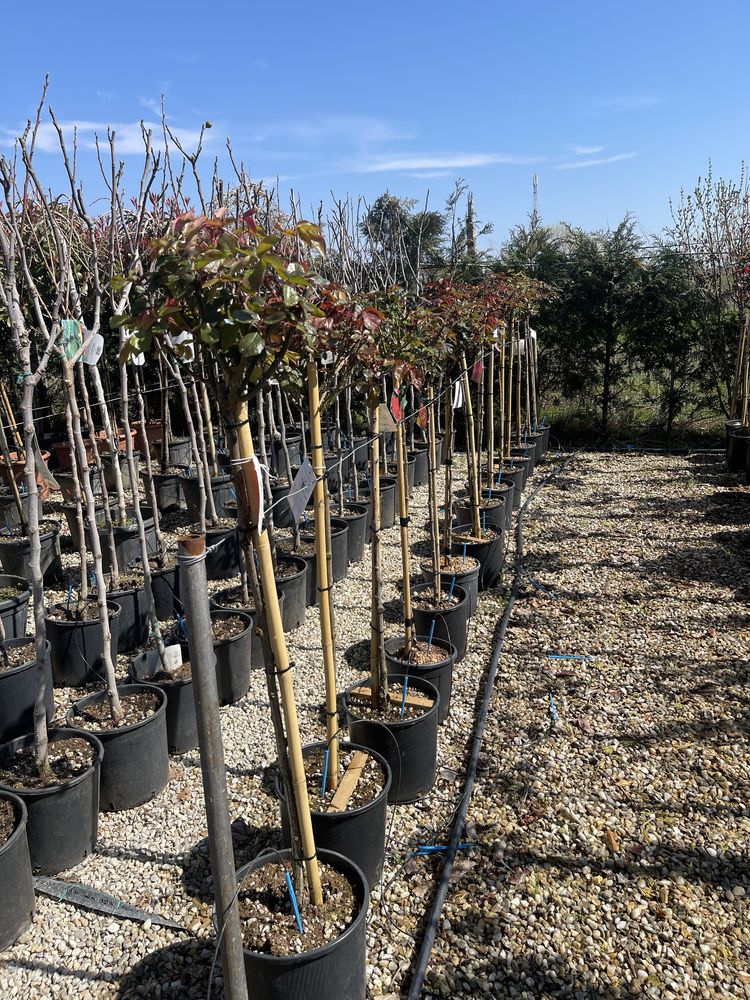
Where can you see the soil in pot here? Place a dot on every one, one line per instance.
(432, 660)
(76, 641)
(450, 615)
(371, 781)
(267, 919)
(136, 707)
(68, 759)
(362, 706)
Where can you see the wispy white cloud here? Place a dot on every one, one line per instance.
(152, 103)
(597, 162)
(128, 136)
(428, 174)
(410, 162)
(631, 102)
(353, 130)
(585, 150)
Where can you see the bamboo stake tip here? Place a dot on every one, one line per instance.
(192, 545)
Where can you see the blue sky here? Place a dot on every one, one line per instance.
(614, 106)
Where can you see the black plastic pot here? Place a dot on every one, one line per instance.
(276, 451)
(76, 648)
(108, 467)
(222, 488)
(294, 589)
(282, 513)
(15, 555)
(224, 561)
(136, 758)
(506, 491)
(63, 819)
(358, 834)
(491, 512)
(133, 623)
(451, 625)
(18, 693)
(336, 971)
(536, 438)
(409, 745)
(361, 453)
(332, 468)
(67, 485)
(736, 449)
(356, 522)
(311, 568)
(17, 910)
(467, 580)
(71, 516)
(544, 431)
(513, 473)
(339, 548)
(252, 644)
(127, 542)
(520, 457)
(180, 451)
(421, 464)
(14, 611)
(489, 552)
(182, 725)
(167, 490)
(440, 674)
(165, 586)
(233, 659)
(387, 503)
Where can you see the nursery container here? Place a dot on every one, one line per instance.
(62, 819)
(17, 910)
(135, 767)
(335, 971)
(358, 834)
(182, 724)
(489, 552)
(224, 561)
(14, 607)
(222, 488)
(167, 489)
(467, 579)
(15, 554)
(421, 456)
(451, 625)
(294, 591)
(76, 648)
(439, 673)
(356, 522)
(408, 745)
(127, 541)
(18, 692)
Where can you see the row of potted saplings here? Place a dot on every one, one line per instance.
(172, 725)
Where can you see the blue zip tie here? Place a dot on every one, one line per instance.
(552, 709)
(438, 848)
(484, 520)
(565, 656)
(403, 696)
(432, 630)
(293, 897)
(450, 592)
(181, 624)
(325, 772)
(92, 578)
(538, 585)
(465, 549)
(70, 593)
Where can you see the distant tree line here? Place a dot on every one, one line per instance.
(642, 334)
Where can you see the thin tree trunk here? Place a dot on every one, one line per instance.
(378, 672)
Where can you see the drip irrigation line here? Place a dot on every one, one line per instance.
(430, 932)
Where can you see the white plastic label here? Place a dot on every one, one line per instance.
(94, 349)
(172, 658)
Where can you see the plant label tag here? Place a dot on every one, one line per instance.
(301, 489)
(458, 395)
(477, 371)
(256, 495)
(387, 423)
(327, 358)
(172, 658)
(72, 338)
(139, 360)
(94, 349)
(398, 413)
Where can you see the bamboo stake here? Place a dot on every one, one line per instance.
(527, 367)
(509, 392)
(448, 501)
(324, 580)
(432, 478)
(403, 511)
(501, 395)
(472, 453)
(518, 386)
(244, 456)
(378, 678)
(490, 416)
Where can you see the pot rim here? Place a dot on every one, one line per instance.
(61, 732)
(442, 643)
(112, 606)
(22, 640)
(22, 816)
(397, 723)
(119, 730)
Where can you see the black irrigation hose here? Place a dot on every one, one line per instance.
(430, 932)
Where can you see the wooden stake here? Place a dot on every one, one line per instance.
(432, 477)
(378, 674)
(323, 578)
(245, 452)
(352, 775)
(471, 448)
(403, 512)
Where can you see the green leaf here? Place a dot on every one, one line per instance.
(251, 345)
(291, 298)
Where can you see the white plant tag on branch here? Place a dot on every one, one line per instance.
(301, 489)
(458, 395)
(139, 360)
(94, 349)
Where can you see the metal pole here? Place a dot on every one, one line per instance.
(191, 553)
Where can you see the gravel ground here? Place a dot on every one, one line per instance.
(610, 843)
